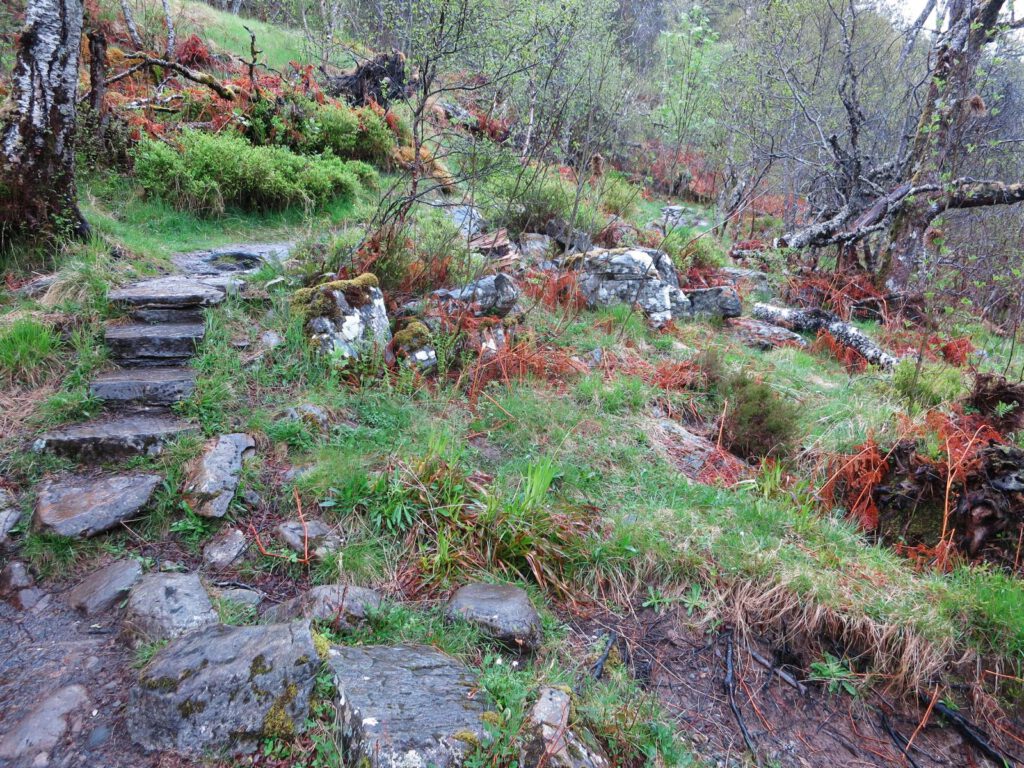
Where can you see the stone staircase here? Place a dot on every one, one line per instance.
(153, 351)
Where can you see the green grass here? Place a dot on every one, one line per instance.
(28, 351)
(154, 228)
(280, 44)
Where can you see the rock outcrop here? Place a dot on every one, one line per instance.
(225, 689)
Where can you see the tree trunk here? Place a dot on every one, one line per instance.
(38, 135)
(815, 320)
(97, 83)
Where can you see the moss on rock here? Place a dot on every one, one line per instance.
(277, 723)
(415, 335)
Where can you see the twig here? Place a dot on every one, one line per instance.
(730, 689)
(973, 734)
(782, 674)
(901, 743)
(598, 669)
(924, 720)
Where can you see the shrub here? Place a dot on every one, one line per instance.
(27, 348)
(758, 423)
(933, 385)
(212, 173)
(314, 129)
(524, 200)
(688, 251)
(617, 195)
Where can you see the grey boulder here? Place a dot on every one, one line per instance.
(83, 505)
(105, 588)
(163, 606)
(502, 611)
(405, 706)
(354, 322)
(493, 295)
(225, 689)
(720, 301)
(637, 276)
(341, 603)
(211, 480)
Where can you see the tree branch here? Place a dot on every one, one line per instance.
(203, 78)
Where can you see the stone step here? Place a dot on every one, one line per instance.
(173, 291)
(161, 385)
(140, 344)
(84, 505)
(155, 315)
(114, 437)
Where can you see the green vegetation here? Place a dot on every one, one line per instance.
(28, 350)
(212, 173)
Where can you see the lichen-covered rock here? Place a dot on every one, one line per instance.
(211, 480)
(635, 276)
(535, 247)
(345, 604)
(162, 606)
(504, 613)
(719, 301)
(764, 336)
(492, 296)
(552, 743)
(345, 317)
(413, 344)
(405, 707)
(225, 689)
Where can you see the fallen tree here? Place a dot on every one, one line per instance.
(381, 79)
(815, 320)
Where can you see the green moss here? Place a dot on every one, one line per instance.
(277, 724)
(491, 718)
(415, 335)
(322, 645)
(190, 707)
(259, 666)
(467, 737)
(166, 683)
(319, 301)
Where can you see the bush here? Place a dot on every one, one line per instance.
(524, 200)
(758, 423)
(933, 385)
(618, 196)
(314, 129)
(212, 173)
(688, 251)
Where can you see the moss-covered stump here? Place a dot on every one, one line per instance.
(225, 688)
(345, 317)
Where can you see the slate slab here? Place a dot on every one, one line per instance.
(84, 505)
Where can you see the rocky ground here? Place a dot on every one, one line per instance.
(164, 653)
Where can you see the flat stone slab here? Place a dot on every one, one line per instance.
(159, 385)
(114, 437)
(84, 505)
(153, 344)
(103, 589)
(229, 259)
(43, 728)
(173, 291)
(406, 706)
(504, 613)
(211, 479)
(163, 606)
(225, 689)
(168, 315)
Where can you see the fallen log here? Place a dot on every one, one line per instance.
(814, 320)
